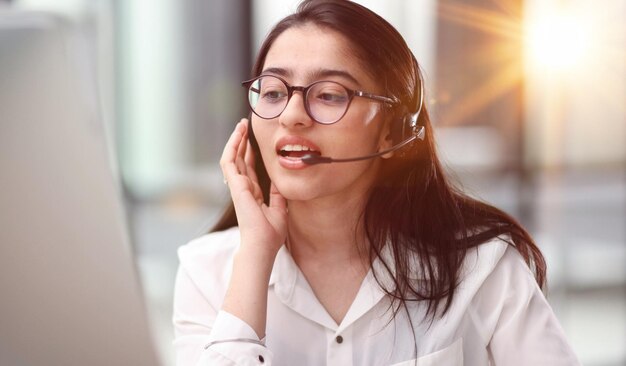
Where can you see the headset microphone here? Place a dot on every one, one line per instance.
(316, 159)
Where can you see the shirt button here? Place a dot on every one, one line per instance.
(261, 359)
(339, 339)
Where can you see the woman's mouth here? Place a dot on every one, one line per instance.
(291, 150)
(296, 151)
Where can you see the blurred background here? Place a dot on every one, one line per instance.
(528, 99)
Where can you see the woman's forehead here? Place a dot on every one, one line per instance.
(313, 74)
(307, 53)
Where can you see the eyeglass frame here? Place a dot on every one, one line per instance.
(305, 90)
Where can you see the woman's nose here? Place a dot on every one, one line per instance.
(294, 114)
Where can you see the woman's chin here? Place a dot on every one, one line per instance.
(292, 193)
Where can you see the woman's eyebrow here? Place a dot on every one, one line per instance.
(278, 71)
(324, 73)
(314, 75)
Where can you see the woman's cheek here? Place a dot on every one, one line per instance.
(370, 113)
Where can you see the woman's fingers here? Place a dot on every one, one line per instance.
(238, 166)
(250, 168)
(227, 161)
(249, 160)
(234, 152)
(276, 199)
(240, 161)
(276, 212)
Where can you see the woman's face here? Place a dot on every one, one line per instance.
(303, 55)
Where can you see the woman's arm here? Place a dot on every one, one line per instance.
(197, 319)
(231, 335)
(263, 230)
(523, 327)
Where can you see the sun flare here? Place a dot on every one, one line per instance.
(529, 39)
(558, 40)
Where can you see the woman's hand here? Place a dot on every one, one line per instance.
(263, 228)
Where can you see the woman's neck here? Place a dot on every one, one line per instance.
(325, 230)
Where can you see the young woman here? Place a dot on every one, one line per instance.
(378, 261)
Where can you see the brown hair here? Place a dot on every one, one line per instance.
(412, 207)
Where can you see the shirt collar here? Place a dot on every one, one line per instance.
(286, 270)
(292, 289)
(387, 271)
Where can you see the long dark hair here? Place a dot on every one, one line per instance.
(413, 209)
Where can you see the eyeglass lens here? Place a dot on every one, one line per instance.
(325, 101)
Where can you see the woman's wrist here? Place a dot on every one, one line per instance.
(246, 297)
(254, 259)
(257, 253)
(261, 251)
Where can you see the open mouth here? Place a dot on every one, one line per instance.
(297, 151)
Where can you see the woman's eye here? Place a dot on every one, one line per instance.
(272, 95)
(332, 97)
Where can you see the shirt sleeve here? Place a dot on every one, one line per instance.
(522, 327)
(198, 324)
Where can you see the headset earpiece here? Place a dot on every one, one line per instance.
(406, 123)
(401, 127)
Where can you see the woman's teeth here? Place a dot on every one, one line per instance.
(295, 148)
(296, 151)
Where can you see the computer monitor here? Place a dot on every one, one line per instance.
(69, 290)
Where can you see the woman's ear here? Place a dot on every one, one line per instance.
(385, 140)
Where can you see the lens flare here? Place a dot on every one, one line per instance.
(558, 41)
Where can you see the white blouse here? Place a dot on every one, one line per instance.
(498, 317)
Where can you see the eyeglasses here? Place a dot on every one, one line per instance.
(326, 102)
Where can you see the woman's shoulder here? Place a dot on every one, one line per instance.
(213, 251)
(494, 269)
(485, 257)
(493, 258)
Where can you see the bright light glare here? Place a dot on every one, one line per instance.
(558, 41)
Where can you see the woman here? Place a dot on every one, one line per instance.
(378, 261)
